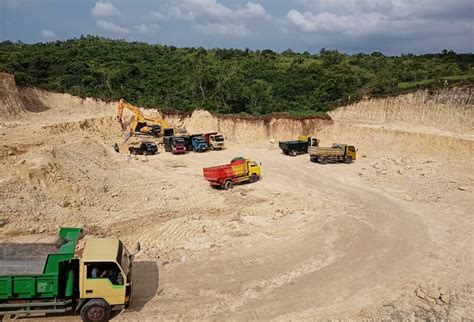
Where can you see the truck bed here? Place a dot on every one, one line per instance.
(27, 255)
(328, 151)
(293, 145)
(234, 169)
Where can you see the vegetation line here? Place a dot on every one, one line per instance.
(225, 81)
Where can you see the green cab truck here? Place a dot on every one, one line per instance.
(56, 278)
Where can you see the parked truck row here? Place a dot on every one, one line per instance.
(181, 144)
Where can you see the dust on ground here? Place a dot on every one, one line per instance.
(389, 236)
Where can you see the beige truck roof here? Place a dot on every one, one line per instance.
(100, 250)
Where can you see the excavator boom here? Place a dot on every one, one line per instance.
(140, 123)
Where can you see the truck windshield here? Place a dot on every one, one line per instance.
(178, 142)
(218, 138)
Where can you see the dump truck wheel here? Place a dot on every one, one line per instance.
(293, 153)
(314, 159)
(323, 160)
(348, 160)
(95, 311)
(228, 185)
(253, 178)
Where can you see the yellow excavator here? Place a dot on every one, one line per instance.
(146, 125)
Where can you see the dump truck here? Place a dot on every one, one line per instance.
(299, 146)
(199, 143)
(145, 148)
(237, 171)
(215, 141)
(338, 152)
(175, 144)
(53, 277)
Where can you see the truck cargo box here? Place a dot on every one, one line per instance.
(31, 270)
(233, 169)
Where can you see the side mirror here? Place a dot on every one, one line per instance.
(260, 163)
(136, 250)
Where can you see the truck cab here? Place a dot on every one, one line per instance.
(178, 145)
(175, 144)
(105, 272)
(215, 141)
(199, 144)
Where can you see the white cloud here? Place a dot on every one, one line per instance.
(329, 22)
(252, 10)
(194, 9)
(142, 28)
(157, 15)
(369, 17)
(109, 26)
(105, 10)
(351, 7)
(212, 17)
(48, 34)
(223, 29)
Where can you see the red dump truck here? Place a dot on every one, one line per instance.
(237, 171)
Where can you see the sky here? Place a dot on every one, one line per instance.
(392, 27)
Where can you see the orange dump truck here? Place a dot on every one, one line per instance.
(237, 171)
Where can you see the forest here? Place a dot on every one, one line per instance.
(226, 81)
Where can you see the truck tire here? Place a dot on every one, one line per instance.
(253, 178)
(212, 148)
(313, 158)
(323, 159)
(228, 185)
(293, 153)
(95, 311)
(348, 160)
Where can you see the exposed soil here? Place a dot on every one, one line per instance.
(388, 237)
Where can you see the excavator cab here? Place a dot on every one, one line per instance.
(143, 127)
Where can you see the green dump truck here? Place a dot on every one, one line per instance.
(54, 277)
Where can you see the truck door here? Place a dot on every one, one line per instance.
(103, 280)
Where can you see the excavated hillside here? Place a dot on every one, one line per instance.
(387, 237)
